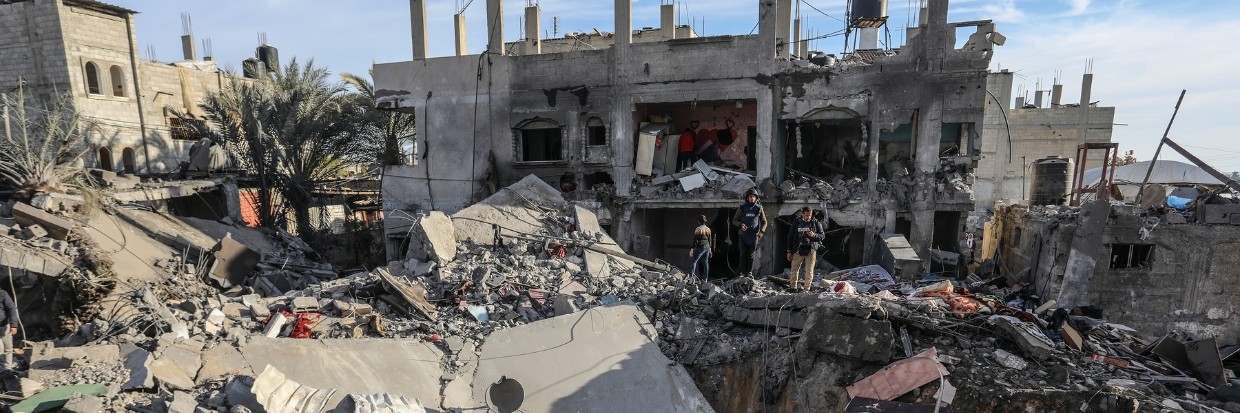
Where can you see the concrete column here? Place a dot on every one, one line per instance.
(495, 27)
(667, 21)
(417, 19)
(459, 22)
(533, 39)
(1037, 99)
(798, 49)
(767, 29)
(232, 199)
(871, 194)
(929, 133)
(783, 16)
(1087, 84)
(1086, 244)
(624, 22)
(1056, 95)
(187, 47)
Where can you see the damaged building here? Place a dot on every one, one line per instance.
(883, 140)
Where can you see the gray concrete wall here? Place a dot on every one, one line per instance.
(32, 49)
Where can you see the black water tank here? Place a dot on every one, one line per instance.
(1050, 181)
(868, 13)
(269, 56)
(250, 68)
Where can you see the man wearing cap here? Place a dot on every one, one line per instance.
(804, 237)
(752, 221)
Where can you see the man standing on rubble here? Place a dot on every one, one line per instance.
(703, 249)
(804, 238)
(8, 322)
(752, 220)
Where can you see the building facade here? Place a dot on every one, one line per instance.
(882, 140)
(88, 49)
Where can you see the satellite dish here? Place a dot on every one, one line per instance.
(506, 395)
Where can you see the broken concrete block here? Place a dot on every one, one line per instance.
(564, 304)
(861, 339)
(56, 397)
(103, 177)
(693, 181)
(233, 262)
(275, 325)
(138, 362)
(738, 185)
(222, 361)
(30, 387)
(170, 376)
(787, 318)
(83, 403)
(35, 231)
(433, 239)
(182, 402)
(1028, 336)
(305, 304)
(56, 227)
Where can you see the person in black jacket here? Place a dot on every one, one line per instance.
(752, 221)
(804, 238)
(8, 310)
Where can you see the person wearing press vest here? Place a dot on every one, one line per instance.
(752, 221)
(804, 237)
(703, 249)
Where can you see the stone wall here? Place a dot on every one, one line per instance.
(32, 49)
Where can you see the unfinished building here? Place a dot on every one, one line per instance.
(89, 49)
(883, 140)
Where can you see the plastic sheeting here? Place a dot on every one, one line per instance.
(1165, 172)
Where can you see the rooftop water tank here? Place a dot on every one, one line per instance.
(868, 13)
(269, 56)
(1050, 181)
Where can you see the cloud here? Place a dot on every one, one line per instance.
(999, 11)
(1078, 6)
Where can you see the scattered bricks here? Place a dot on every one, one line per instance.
(260, 311)
(35, 231)
(275, 325)
(305, 304)
(56, 227)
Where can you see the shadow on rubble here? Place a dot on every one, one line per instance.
(634, 383)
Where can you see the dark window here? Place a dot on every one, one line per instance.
(105, 159)
(118, 81)
(127, 160)
(184, 129)
(540, 141)
(92, 79)
(1016, 237)
(1131, 255)
(596, 132)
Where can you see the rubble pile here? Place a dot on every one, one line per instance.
(526, 278)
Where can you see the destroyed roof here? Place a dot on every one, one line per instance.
(1165, 172)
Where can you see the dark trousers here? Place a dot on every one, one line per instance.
(684, 160)
(701, 261)
(746, 266)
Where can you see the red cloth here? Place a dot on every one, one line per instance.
(686, 142)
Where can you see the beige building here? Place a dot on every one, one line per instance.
(89, 49)
(1043, 127)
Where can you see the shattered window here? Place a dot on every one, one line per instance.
(540, 141)
(596, 132)
(1131, 256)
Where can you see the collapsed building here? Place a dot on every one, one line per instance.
(883, 140)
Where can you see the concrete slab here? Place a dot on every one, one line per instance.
(222, 361)
(56, 226)
(233, 262)
(278, 394)
(433, 239)
(603, 358)
(48, 363)
(138, 362)
(511, 206)
(400, 367)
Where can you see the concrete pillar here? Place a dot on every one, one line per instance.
(1037, 99)
(867, 39)
(187, 47)
(624, 22)
(459, 22)
(1056, 95)
(495, 27)
(929, 134)
(533, 39)
(417, 19)
(798, 49)
(783, 16)
(871, 194)
(1087, 84)
(232, 199)
(1086, 243)
(767, 29)
(667, 21)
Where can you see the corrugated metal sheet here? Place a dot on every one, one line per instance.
(278, 394)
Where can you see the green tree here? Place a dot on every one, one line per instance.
(291, 127)
(382, 135)
(40, 146)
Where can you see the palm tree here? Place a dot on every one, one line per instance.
(39, 146)
(382, 134)
(291, 127)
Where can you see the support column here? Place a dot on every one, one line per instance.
(495, 27)
(798, 49)
(667, 21)
(783, 17)
(621, 101)
(459, 22)
(871, 195)
(1084, 255)
(417, 19)
(533, 39)
(929, 134)
(767, 30)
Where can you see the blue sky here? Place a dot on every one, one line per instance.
(1144, 51)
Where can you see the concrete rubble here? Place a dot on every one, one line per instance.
(487, 298)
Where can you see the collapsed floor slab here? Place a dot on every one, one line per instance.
(594, 360)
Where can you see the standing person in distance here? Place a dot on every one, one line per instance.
(804, 238)
(703, 249)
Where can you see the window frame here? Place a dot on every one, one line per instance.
(589, 129)
(538, 124)
(91, 70)
(116, 74)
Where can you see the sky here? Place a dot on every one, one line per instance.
(1144, 52)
